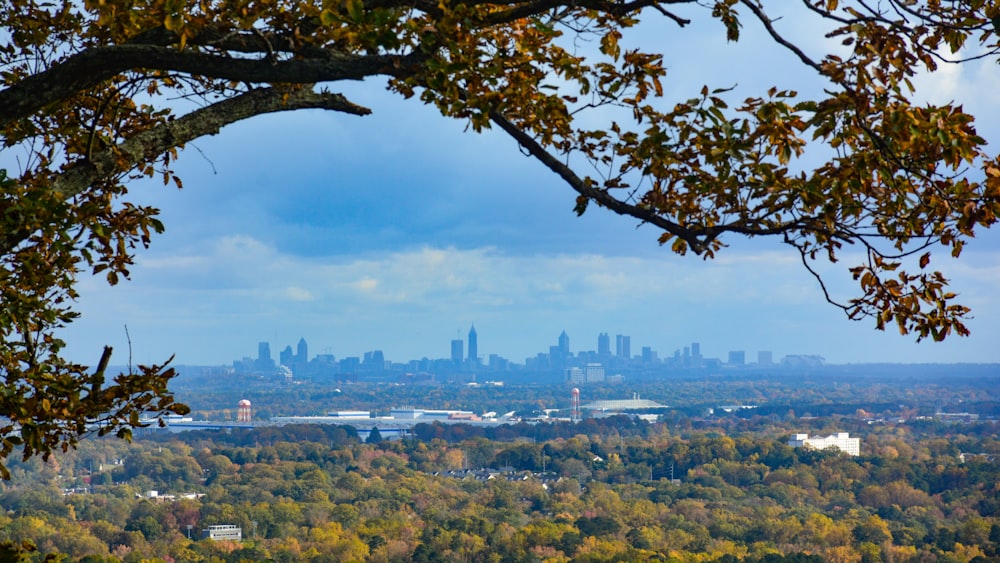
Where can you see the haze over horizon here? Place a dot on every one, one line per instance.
(398, 230)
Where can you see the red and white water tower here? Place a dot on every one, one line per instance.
(244, 412)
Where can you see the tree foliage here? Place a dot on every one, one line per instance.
(95, 94)
(298, 499)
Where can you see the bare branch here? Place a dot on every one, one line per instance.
(778, 38)
(586, 189)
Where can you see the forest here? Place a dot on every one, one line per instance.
(692, 486)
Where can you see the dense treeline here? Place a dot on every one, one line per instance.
(599, 490)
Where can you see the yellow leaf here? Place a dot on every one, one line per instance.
(173, 22)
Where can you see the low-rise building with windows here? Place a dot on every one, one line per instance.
(223, 532)
(839, 441)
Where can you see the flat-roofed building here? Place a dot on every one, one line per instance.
(839, 441)
(223, 532)
(619, 405)
(594, 373)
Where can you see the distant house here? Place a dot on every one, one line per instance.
(223, 532)
(839, 441)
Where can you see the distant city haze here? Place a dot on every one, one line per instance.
(584, 365)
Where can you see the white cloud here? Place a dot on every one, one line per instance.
(298, 294)
(366, 285)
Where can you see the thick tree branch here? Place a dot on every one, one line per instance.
(205, 121)
(93, 66)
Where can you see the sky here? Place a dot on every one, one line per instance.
(399, 230)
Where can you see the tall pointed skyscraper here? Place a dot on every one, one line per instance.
(303, 351)
(473, 347)
(564, 345)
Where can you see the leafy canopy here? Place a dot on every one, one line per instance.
(85, 107)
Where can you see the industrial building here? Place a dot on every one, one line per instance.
(621, 405)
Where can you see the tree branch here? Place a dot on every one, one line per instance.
(205, 121)
(696, 241)
(93, 66)
(779, 39)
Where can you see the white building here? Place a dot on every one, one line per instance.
(840, 441)
(633, 404)
(428, 414)
(594, 373)
(223, 532)
(574, 375)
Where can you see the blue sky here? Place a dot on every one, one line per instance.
(398, 230)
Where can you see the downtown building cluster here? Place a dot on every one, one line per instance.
(605, 364)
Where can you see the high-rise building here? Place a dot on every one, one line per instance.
(564, 345)
(604, 344)
(473, 347)
(623, 346)
(737, 357)
(263, 361)
(285, 357)
(648, 355)
(374, 361)
(696, 355)
(457, 349)
(302, 355)
(764, 358)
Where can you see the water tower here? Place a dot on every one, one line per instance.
(243, 413)
(575, 405)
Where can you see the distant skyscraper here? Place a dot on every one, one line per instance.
(737, 357)
(696, 355)
(764, 358)
(457, 348)
(473, 346)
(264, 361)
(604, 344)
(564, 345)
(375, 360)
(303, 352)
(648, 355)
(286, 358)
(623, 346)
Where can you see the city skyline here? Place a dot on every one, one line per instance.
(464, 354)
